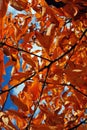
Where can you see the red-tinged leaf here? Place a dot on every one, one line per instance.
(61, 21)
(17, 113)
(19, 77)
(21, 123)
(70, 10)
(9, 63)
(44, 41)
(82, 100)
(35, 89)
(76, 103)
(28, 37)
(45, 127)
(14, 82)
(26, 97)
(6, 51)
(52, 118)
(28, 60)
(82, 127)
(52, 15)
(19, 5)
(76, 74)
(19, 103)
(3, 8)
(26, 40)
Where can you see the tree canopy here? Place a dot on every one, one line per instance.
(48, 57)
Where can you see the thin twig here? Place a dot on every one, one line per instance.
(64, 84)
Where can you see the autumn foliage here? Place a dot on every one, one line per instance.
(48, 57)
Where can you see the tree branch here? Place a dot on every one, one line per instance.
(56, 4)
(64, 84)
(7, 90)
(78, 125)
(83, 34)
(19, 49)
(51, 62)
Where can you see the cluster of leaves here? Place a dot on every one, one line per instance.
(54, 73)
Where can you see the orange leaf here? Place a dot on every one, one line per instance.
(19, 103)
(19, 4)
(16, 113)
(43, 127)
(6, 51)
(3, 8)
(28, 60)
(35, 89)
(4, 95)
(44, 41)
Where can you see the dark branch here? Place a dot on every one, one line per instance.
(83, 34)
(64, 84)
(56, 4)
(78, 125)
(7, 90)
(19, 49)
(51, 62)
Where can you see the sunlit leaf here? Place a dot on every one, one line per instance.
(43, 56)
(28, 60)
